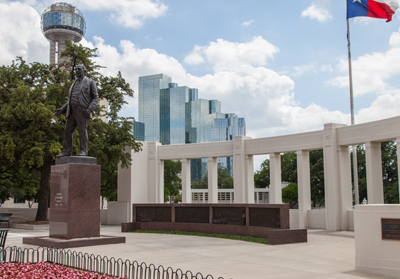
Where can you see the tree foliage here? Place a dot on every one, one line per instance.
(172, 181)
(289, 174)
(199, 184)
(389, 172)
(317, 179)
(225, 180)
(290, 195)
(262, 177)
(31, 136)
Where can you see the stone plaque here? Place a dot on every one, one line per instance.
(390, 229)
(153, 214)
(229, 216)
(265, 217)
(192, 215)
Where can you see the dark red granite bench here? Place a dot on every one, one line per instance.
(257, 220)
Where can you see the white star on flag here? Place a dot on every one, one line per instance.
(357, 1)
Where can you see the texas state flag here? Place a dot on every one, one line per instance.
(372, 8)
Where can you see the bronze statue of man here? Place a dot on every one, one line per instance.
(78, 110)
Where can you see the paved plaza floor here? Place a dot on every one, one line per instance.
(326, 255)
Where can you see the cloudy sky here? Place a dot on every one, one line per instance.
(280, 64)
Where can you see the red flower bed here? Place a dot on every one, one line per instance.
(45, 270)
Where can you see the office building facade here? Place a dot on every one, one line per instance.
(149, 104)
(173, 114)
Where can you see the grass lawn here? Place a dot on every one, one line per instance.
(227, 236)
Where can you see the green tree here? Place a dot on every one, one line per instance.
(227, 183)
(389, 172)
(362, 172)
(261, 177)
(31, 136)
(290, 195)
(317, 178)
(289, 174)
(288, 171)
(224, 180)
(199, 184)
(289, 167)
(172, 181)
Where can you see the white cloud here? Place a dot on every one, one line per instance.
(371, 71)
(194, 59)
(247, 23)
(20, 34)
(394, 40)
(225, 55)
(264, 97)
(318, 11)
(312, 118)
(364, 20)
(382, 107)
(126, 13)
(312, 67)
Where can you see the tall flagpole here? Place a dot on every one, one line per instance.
(354, 147)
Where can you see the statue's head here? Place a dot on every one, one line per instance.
(80, 70)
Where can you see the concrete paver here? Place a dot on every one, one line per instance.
(326, 255)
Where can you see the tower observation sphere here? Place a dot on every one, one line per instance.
(60, 22)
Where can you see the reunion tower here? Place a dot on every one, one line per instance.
(60, 22)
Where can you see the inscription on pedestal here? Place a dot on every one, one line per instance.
(58, 199)
(390, 229)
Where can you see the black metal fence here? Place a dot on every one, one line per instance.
(99, 264)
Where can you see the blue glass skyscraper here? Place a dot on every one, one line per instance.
(206, 123)
(138, 130)
(173, 114)
(150, 105)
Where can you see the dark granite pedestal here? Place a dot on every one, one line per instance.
(74, 205)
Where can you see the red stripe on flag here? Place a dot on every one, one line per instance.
(379, 10)
(388, 10)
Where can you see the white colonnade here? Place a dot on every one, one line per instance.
(143, 181)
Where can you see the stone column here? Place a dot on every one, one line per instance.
(186, 183)
(160, 185)
(373, 162)
(155, 174)
(212, 180)
(249, 178)
(130, 190)
(333, 196)
(304, 186)
(275, 186)
(346, 188)
(243, 183)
